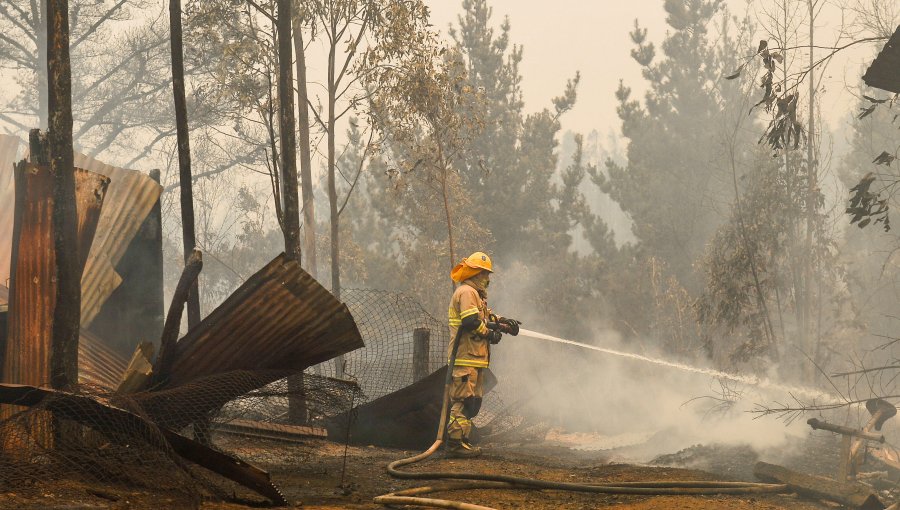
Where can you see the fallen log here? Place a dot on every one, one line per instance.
(166, 357)
(847, 431)
(854, 495)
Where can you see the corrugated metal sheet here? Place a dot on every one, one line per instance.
(9, 149)
(90, 190)
(27, 355)
(884, 73)
(27, 351)
(98, 365)
(279, 319)
(129, 199)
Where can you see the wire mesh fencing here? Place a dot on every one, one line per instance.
(96, 436)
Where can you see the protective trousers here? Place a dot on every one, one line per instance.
(466, 392)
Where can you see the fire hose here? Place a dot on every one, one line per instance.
(493, 481)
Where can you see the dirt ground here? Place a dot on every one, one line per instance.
(313, 475)
(314, 484)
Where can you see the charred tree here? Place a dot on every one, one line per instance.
(309, 206)
(67, 312)
(184, 154)
(286, 124)
(165, 359)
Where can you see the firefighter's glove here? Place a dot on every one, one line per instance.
(503, 325)
(511, 326)
(494, 337)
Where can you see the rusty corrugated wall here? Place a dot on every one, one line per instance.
(27, 351)
(135, 311)
(281, 318)
(129, 199)
(884, 72)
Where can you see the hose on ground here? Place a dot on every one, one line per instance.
(489, 481)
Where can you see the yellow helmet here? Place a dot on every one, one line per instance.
(479, 260)
(471, 266)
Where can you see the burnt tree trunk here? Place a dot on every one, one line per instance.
(309, 205)
(297, 409)
(184, 154)
(332, 185)
(67, 312)
(166, 358)
(334, 217)
(811, 336)
(286, 127)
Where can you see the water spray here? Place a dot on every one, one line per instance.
(750, 380)
(497, 481)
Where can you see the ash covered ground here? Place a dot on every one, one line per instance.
(323, 474)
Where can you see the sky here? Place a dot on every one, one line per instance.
(591, 36)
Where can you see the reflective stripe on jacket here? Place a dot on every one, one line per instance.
(474, 348)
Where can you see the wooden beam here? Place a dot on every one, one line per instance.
(853, 495)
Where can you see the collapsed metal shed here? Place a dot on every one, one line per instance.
(126, 197)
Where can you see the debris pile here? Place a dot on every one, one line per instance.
(130, 422)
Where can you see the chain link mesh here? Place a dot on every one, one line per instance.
(238, 412)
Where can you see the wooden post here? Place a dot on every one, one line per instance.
(421, 341)
(184, 154)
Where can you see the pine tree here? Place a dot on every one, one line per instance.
(672, 185)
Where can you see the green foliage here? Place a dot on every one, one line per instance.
(869, 253)
(673, 182)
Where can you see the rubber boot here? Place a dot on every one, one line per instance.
(462, 450)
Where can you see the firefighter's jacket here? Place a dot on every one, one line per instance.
(474, 348)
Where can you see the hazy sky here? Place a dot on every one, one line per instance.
(591, 36)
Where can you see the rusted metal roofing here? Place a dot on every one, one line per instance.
(129, 199)
(27, 351)
(281, 318)
(98, 365)
(27, 355)
(884, 73)
(9, 150)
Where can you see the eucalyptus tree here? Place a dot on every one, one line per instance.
(429, 114)
(359, 37)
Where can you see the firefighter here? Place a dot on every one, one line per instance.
(475, 328)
